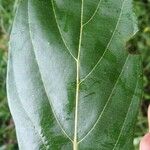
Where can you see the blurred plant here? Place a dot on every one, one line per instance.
(142, 44)
(142, 41)
(7, 132)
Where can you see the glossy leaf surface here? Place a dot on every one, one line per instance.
(71, 82)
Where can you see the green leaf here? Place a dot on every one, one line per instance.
(71, 82)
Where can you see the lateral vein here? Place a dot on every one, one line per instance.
(107, 102)
(106, 49)
(96, 10)
(60, 31)
(36, 130)
(55, 116)
(119, 136)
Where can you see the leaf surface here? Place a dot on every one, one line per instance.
(71, 82)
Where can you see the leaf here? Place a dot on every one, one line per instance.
(71, 82)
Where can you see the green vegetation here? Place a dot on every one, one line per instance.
(141, 42)
(7, 132)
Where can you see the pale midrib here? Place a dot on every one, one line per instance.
(75, 141)
(55, 116)
(121, 131)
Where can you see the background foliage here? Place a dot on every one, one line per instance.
(140, 42)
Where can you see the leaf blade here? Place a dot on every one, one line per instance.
(51, 78)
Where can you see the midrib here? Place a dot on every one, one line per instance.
(75, 141)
